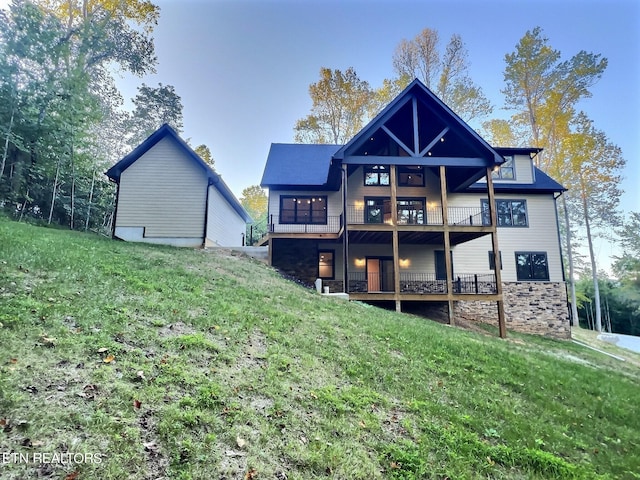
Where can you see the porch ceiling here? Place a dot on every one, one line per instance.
(413, 238)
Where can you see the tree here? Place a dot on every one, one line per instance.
(154, 106)
(543, 92)
(340, 103)
(254, 200)
(205, 154)
(446, 73)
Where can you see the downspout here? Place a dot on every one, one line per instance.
(115, 210)
(206, 213)
(573, 310)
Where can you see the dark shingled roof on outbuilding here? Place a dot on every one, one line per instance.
(298, 164)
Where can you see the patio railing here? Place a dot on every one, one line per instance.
(423, 283)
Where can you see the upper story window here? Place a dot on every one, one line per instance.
(411, 211)
(510, 213)
(411, 176)
(303, 209)
(506, 171)
(376, 175)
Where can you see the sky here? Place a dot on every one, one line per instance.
(243, 67)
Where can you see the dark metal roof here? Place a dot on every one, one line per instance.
(542, 183)
(165, 130)
(297, 164)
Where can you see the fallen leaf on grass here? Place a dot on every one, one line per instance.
(140, 375)
(72, 476)
(109, 359)
(103, 349)
(251, 474)
(241, 442)
(14, 360)
(137, 403)
(47, 341)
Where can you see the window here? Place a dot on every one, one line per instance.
(411, 211)
(377, 210)
(506, 171)
(492, 261)
(510, 213)
(376, 175)
(303, 209)
(411, 176)
(325, 264)
(532, 266)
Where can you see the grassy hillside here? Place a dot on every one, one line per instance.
(153, 362)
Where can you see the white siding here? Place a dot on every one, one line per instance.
(164, 193)
(225, 227)
(523, 169)
(540, 236)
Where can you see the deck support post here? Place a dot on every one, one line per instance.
(395, 240)
(345, 233)
(502, 326)
(447, 241)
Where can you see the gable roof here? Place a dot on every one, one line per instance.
(165, 131)
(542, 183)
(298, 164)
(420, 129)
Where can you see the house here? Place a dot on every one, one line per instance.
(167, 194)
(374, 218)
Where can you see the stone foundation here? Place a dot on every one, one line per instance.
(530, 307)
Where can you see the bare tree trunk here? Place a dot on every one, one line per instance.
(55, 191)
(73, 187)
(594, 267)
(24, 205)
(6, 145)
(93, 181)
(572, 282)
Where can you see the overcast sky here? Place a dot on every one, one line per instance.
(243, 68)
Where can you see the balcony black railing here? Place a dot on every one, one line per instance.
(366, 214)
(423, 283)
(333, 225)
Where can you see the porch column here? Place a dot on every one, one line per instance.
(394, 233)
(502, 327)
(345, 233)
(447, 241)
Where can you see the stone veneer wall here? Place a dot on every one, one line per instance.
(530, 307)
(298, 258)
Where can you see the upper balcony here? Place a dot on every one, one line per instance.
(414, 213)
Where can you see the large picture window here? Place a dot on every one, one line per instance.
(376, 175)
(377, 210)
(510, 213)
(532, 266)
(411, 211)
(303, 209)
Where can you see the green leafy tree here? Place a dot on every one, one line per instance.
(254, 200)
(446, 73)
(542, 91)
(153, 107)
(340, 104)
(205, 154)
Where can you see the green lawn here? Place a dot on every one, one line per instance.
(153, 362)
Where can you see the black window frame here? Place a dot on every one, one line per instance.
(410, 170)
(413, 199)
(531, 276)
(378, 170)
(297, 219)
(486, 218)
(333, 263)
(384, 201)
(499, 173)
